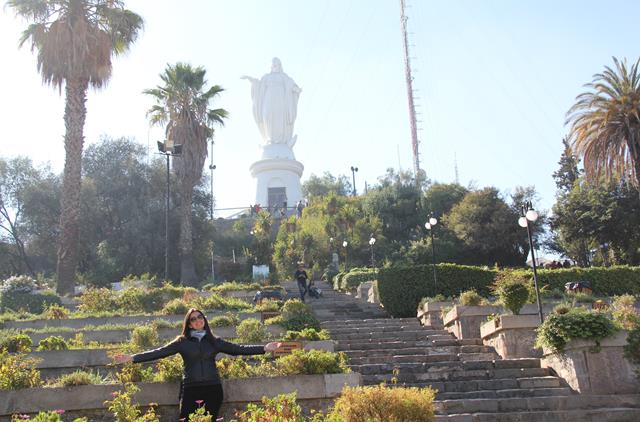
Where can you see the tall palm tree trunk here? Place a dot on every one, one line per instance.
(75, 113)
(188, 274)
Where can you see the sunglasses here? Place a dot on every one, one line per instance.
(195, 318)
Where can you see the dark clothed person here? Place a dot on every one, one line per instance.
(301, 278)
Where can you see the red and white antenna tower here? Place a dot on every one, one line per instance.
(410, 91)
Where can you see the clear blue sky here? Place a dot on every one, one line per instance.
(495, 79)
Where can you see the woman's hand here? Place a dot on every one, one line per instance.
(122, 358)
(272, 347)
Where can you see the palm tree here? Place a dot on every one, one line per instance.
(605, 124)
(75, 40)
(182, 104)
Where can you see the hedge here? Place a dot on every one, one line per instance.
(401, 288)
(356, 276)
(605, 281)
(34, 303)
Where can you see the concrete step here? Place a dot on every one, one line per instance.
(380, 344)
(384, 329)
(505, 394)
(452, 371)
(398, 335)
(551, 403)
(386, 358)
(591, 415)
(392, 322)
(426, 351)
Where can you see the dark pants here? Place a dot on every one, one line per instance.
(302, 286)
(211, 395)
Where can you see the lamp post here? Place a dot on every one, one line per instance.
(344, 245)
(372, 242)
(429, 225)
(212, 167)
(167, 150)
(529, 215)
(353, 176)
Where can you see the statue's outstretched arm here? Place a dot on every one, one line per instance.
(249, 78)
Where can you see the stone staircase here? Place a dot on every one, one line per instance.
(473, 383)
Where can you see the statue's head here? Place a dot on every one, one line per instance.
(276, 65)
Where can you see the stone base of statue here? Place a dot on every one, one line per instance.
(277, 176)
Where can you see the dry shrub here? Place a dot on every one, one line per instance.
(383, 404)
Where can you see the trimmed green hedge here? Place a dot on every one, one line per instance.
(34, 303)
(401, 288)
(605, 281)
(356, 276)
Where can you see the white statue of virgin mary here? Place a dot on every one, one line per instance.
(275, 104)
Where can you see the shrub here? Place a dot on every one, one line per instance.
(97, 300)
(437, 298)
(52, 343)
(169, 369)
(230, 368)
(15, 342)
(512, 293)
(632, 348)
(50, 416)
(269, 305)
(353, 278)
(18, 284)
(401, 288)
(251, 330)
(384, 404)
(337, 280)
(562, 308)
(175, 307)
(297, 316)
(144, 337)
(312, 362)
(228, 320)
(78, 378)
(558, 329)
(17, 372)
(309, 334)
(124, 410)
(282, 407)
(34, 303)
(133, 372)
(234, 285)
(624, 312)
(55, 311)
(471, 298)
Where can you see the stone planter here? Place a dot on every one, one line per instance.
(513, 336)
(89, 399)
(362, 292)
(120, 336)
(465, 321)
(136, 319)
(595, 372)
(431, 314)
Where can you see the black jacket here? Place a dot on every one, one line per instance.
(199, 357)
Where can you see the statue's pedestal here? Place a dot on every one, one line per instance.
(277, 175)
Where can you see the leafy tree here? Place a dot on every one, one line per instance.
(605, 124)
(182, 104)
(325, 184)
(441, 197)
(568, 173)
(488, 228)
(75, 40)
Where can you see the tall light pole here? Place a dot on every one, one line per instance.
(212, 167)
(344, 245)
(372, 242)
(353, 176)
(429, 225)
(528, 216)
(168, 150)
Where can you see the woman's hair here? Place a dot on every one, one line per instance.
(186, 330)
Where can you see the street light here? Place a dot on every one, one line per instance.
(167, 149)
(529, 215)
(372, 242)
(429, 225)
(212, 167)
(344, 245)
(353, 175)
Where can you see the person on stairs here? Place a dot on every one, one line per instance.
(198, 347)
(301, 278)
